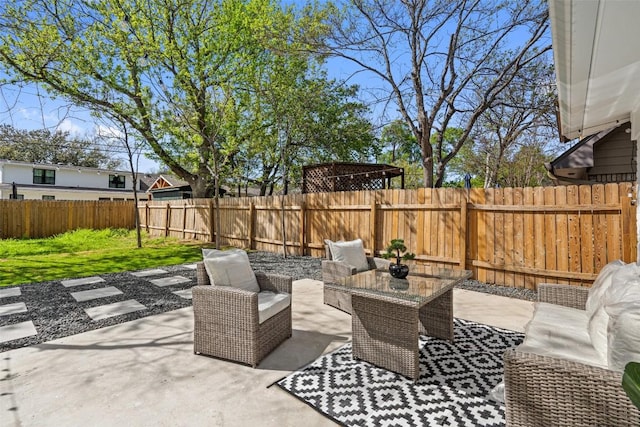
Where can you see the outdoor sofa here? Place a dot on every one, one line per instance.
(568, 370)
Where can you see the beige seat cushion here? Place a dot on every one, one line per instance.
(271, 303)
(561, 332)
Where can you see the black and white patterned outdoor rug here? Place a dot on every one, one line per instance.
(453, 388)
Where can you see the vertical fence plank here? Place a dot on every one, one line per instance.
(586, 230)
(574, 258)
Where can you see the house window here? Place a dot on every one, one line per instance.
(18, 197)
(44, 176)
(116, 181)
(48, 197)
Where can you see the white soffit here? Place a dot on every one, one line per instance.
(596, 47)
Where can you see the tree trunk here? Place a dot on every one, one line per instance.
(427, 158)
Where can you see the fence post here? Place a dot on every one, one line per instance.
(628, 219)
(372, 224)
(252, 219)
(167, 220)
(463, 230)
(184, 220)
(303, 216)
(211, 222)
(146, 216)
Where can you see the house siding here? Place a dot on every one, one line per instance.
(614, 158)
(71, 183)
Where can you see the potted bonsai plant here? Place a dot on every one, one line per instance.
(398, 250)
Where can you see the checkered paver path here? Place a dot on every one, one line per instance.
(98, 297)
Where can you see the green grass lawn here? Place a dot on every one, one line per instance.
(83, 253)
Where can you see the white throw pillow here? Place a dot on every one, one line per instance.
(230, 268)
(351, 253)
(595, 300)
(624, 339)
(622, 304)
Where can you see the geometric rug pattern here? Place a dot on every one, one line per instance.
(453, 388)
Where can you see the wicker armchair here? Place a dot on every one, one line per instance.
(226, 319)
(550, 391)
(332, 271)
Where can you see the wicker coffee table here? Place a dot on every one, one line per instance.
(388, 314)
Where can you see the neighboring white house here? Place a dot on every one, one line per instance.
(23, 180)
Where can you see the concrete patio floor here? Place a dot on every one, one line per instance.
(144, 372)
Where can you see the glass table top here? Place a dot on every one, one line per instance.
(421, 285)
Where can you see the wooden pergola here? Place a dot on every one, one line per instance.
(342, 176)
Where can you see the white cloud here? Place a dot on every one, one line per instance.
(74, 129)
(108, 132)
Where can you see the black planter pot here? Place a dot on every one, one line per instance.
(399, 271)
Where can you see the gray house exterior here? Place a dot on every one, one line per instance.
(608, 156)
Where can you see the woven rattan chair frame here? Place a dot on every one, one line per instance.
(226, 319)
(333, 271)
(549, 391)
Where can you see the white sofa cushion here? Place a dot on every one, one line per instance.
(230, 268)
(351, 253)
(271, 303)
(561, 332)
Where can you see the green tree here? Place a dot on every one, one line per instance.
(520, 124)
(400, 148)
(45, 146)
(298, 116)
(170, 70)
(443, 62)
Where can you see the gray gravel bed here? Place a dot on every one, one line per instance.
(56, 314)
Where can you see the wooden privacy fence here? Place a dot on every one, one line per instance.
(511, 236)
(45, 218)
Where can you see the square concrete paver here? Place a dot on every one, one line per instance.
(168, 281)
(190, 266)
(115, 309)
(184, 293)
(17, 331)
(16, 307)
(10, 292)
(146, 273)
(82, 281)
(90, 294)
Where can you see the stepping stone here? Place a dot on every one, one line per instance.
(190, 266)
(90, 294)
(115, 309)
(17, 331)
(168, 281)
(185, 293)
(10, 292)
(146, 273)
(82, 281)
(18, 307)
